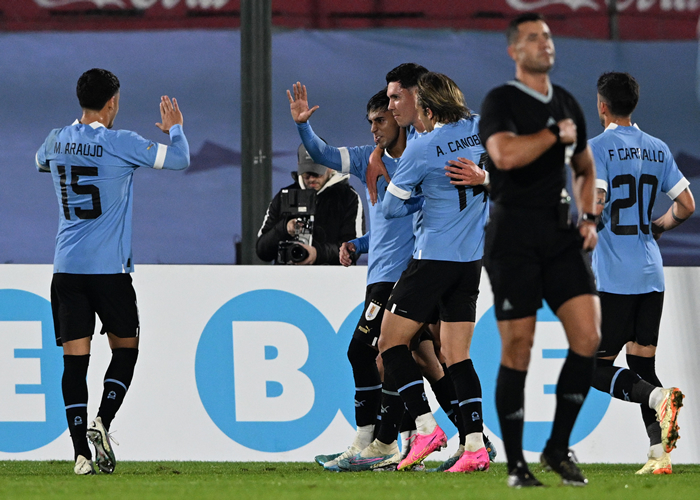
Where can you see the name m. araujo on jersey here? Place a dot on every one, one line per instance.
(92, 169)
(632, 167)
(452, 228)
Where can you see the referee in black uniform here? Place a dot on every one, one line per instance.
(531, 129)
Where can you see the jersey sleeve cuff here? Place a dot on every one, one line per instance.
(42, 168)
(678, 188)
(344, 160)
(398, 192)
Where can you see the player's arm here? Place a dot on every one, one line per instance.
(40, 161)
(509, 151)
(584, 186)
(682, 208)
(375, 170)
(351, 250)
(464, 172)
(600, 196)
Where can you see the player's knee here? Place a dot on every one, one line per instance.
(360, 354)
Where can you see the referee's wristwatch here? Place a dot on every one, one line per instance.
(588, 217)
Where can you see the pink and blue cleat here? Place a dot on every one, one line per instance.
(423, 445)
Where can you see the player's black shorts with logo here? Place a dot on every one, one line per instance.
(76, 298)
(451, 288)
(629, 318)
(370, 325)
(529, 258)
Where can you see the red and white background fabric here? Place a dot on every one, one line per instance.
(637, 19)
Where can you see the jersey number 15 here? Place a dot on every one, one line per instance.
(93, 191)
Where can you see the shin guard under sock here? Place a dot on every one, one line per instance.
(510, 404)
(646, 368)
(572, 388)
(621, 383)
(445, 393)
(392, 411)
(368, 385)
(468, 390)
(75, 397)
(116, 382)
(400, 366)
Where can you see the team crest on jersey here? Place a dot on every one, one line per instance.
(372, 311)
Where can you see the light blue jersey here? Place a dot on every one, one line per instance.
(633, 168)
(452, 228)
(392, 240)
(92, 169)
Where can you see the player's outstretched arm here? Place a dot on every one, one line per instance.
(299, 104)
(375, 169)
(679, 212)
(170, 114)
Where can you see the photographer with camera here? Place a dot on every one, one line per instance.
(307, 221)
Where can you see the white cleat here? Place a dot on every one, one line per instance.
(83, 466)
(104, 455)
(657, 465)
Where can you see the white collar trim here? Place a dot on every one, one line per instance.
(533, 93)
(613, 126)
(94, 125)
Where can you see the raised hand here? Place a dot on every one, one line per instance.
(169, 114)
(299, 104)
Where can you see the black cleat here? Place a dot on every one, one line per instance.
(521, 477)
(564, 464)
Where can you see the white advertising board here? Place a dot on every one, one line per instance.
(244, 363)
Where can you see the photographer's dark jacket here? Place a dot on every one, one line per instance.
(338, 219)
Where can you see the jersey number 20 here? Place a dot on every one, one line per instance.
(636, 195)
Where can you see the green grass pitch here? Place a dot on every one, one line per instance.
(307, 481)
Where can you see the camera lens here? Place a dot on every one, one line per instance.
(299, 253)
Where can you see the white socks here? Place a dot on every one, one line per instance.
(474, 442)
(656, 397)
(364, 436)
(425, 424)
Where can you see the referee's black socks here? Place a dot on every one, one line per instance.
(116, 383)
(400, 366)
(75, 397)
(510, 404)
(572, 388)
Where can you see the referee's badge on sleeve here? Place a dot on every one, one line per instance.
(372, 311)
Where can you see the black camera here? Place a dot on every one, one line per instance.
(299, 204)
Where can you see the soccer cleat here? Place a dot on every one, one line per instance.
(667, 415)
(490, 448)
(83, 466)
(100, 439)
(372, 458)
(657, 465)
(450, 461)
(471, 461)
(564, 464)
(322, 459)
(423, 445)
(332, 465)
(521, 477)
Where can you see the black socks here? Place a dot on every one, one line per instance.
(75, 397)
(116, 383)
(510, 404)
(400, 366)
(368, 385)
(468, 390)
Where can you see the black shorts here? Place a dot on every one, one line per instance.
(76, 298)
(370, 324)
(426, 286)
(629, 318)
(529, 258)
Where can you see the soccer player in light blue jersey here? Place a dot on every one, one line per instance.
(92, 167)
(633, 169)
(445, 270)
(390, 249)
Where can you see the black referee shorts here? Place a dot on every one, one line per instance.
(529, 259)
(76, 298)
(629, 318)
(427, 286)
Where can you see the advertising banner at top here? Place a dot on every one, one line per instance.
(636, 19)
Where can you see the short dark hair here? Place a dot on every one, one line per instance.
(407, 74)
(378, 102)
(443, 97)
(620, 91)
(512, 31)
(96, 87)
